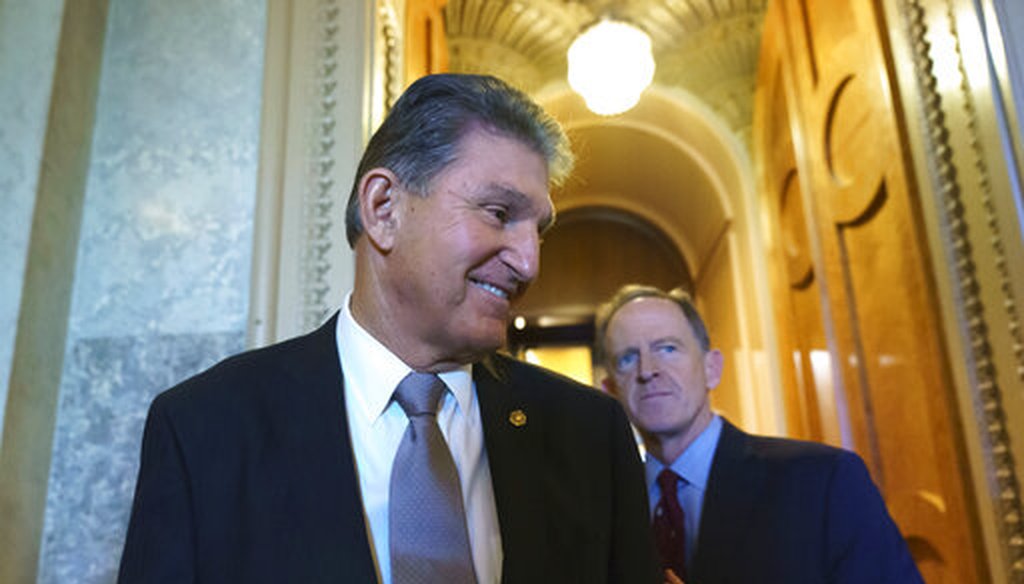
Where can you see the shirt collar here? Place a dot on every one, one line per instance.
(372, 371)
(694, 464)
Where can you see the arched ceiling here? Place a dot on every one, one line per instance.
(664, 161)
(674, 158)
(635, 170)
(706, 47)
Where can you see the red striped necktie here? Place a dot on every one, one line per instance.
(669, 525)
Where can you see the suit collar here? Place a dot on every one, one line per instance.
(693, 465)
(735, 479)
(319, 374)
(373, 372)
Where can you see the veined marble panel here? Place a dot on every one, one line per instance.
(29, 30)
(161, 285)
(106, 391)
(1011, 14)
(167, 227)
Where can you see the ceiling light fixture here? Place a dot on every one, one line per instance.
(610, 65)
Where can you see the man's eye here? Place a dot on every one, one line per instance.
(499, 213)
(667, 348)
(625, 361)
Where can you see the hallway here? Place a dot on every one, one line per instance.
(839, 188)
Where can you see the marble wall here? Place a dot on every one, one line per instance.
(29, 31)
(1011, 20)
(162, 277)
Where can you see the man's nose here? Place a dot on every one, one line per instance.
(646, 368)
(522, 253)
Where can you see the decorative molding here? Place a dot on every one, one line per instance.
(718, 62)
(538, 30)
(327, 164)
(987, 393)
(478, 55)
(391, 39)
(1013, 321)
(319, 210)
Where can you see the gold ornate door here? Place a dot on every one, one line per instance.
(865, 364)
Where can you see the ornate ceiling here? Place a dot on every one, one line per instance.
(708, 48)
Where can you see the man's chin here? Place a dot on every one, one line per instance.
(486, 347)
(470, 344)
(484, 344)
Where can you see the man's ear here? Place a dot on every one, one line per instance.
(378, 192)
(608, 385)
(714, 362)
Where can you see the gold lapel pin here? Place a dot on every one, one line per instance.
(517, 418)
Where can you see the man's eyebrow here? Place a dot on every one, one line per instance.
(658, 341)
(522, 200)
(619, 355)
(667, 339)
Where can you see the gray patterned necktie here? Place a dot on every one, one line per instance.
(427, 523)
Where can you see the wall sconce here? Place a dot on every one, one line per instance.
(610, 65)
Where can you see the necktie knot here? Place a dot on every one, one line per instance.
(668, 481)
(419, 394)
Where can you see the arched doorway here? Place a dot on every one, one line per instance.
(670, 186)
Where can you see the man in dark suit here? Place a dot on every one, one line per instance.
(277, 465)
(728, 506)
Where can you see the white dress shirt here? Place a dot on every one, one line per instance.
(377, 424)
(694, 465)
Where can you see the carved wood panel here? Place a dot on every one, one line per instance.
(854, 236)
(810, 412)
(812, 369)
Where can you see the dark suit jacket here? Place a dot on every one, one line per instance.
(790, 512)
(248, 475)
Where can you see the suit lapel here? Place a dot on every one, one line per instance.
(324, 418)
(732, 487)
(513, 436)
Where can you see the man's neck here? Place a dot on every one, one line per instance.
(371, 308)
(669, 448)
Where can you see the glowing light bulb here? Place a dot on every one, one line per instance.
(610, 65)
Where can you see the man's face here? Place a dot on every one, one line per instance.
(659, 371)
(471, 246)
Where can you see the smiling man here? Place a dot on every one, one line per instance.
(393, 444)
(728, 506)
